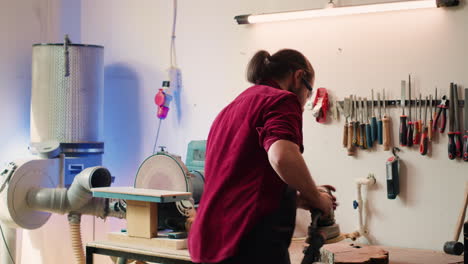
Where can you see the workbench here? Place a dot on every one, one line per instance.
(168, 256)
(157, 255)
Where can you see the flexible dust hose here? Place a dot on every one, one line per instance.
(74, 221)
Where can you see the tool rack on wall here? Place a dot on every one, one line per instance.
(397, 103)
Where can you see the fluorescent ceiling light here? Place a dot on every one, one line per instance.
(336, 11)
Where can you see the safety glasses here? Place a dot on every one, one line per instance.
(307, 85)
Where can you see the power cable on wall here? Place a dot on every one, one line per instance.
(173, 66)
(173, 37)
(157, 136)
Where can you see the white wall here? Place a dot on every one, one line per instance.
(350, 54)
(23, 23)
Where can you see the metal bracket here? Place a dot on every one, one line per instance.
(6, 173)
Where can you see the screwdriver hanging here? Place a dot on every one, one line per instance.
(356, 129)
(369, 140)
(456, 110)
(350, 127)
(345, 111)
(424, 138)
(451, 134)
(403, 117)
(410, 131)
(431, 122)
(373, 120)
(454, 134)
(465, 146)
(363, 143)
(386, 126)
(379, 122)
(418, 122)
(434, 115)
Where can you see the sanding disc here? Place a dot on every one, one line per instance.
(163, 172)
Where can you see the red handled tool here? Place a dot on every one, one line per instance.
(434, 115)
(424, 138)
(431, 122)
(403, 117)
(458, 130)
(465, 146)
(418, 123)
(441, 114)
(454, 144)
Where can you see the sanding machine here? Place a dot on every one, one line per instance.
(165, 171)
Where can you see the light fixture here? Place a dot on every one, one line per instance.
(340, 11)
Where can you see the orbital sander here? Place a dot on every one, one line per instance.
(322, 231)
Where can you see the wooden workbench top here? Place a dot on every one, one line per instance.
(397, 255)
(181, 254)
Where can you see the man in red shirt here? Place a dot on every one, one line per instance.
(254, 170)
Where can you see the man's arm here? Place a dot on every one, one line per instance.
(286, 159)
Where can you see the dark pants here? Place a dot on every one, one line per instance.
(269, 240)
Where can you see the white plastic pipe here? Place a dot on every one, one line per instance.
(79, 196)
(362, 204)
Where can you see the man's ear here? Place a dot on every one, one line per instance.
(298, 76)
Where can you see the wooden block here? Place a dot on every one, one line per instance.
(140, 194)
(346, 253)
(157, 242)
(142, 219)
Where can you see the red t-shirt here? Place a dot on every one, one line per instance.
(241, 186)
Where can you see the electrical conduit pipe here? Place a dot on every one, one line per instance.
(361, 204)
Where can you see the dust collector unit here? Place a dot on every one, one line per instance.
(67, 87)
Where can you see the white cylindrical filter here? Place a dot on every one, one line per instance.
(67, 88)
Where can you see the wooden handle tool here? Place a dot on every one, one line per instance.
(461, 217)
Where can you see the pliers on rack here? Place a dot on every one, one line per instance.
(442, 114)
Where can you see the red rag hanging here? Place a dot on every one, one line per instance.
(321, 105)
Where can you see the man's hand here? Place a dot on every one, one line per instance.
(326, 202)
(329, 189)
